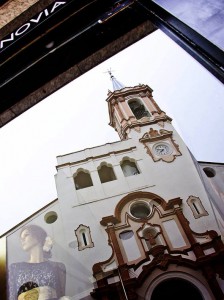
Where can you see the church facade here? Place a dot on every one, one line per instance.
(134, 219)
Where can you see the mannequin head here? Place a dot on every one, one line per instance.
(33, 236)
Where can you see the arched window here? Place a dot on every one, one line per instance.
(138, 109)
(129, 167)
(197, 207)
(84, 237)
(82, 179)
(106, 173)
(176, 288)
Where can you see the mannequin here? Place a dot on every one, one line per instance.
(39, 278)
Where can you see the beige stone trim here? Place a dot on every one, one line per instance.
(153, 137)
(84, 242)
(94, 157)
(196, 207)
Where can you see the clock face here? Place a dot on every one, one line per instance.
(162, 149)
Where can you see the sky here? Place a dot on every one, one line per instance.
(76, 117)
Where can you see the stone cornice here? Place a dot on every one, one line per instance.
(69, 164)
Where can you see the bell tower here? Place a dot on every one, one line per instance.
(132, 108)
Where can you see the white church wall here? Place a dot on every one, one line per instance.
(154, 177)
(174, 234)
(178, 178)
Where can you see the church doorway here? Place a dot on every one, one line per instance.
(176, 289)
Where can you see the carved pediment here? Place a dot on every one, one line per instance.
(160, 145)
(153, 135)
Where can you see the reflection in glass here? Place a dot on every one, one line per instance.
(39, 277)
(205, 17)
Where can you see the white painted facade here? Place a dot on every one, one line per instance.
(81, 240)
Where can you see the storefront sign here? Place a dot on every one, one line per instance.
(31, 24)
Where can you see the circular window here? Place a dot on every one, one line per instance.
(209, 172)
(50, 217)
(140, 210)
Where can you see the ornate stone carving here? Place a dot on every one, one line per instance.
(160, 138)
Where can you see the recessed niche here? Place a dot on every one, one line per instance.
(106, 173)
(129, 167)
(82, 179)
(50, 217)
(209, 172)
(140, 210)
